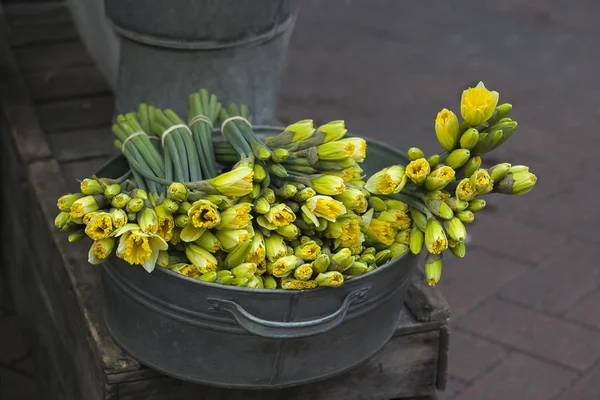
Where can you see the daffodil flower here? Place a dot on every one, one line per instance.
(477, 104)
(237, 182)
(280, 215)
(100, 250)
(388, 180)
(100, 226)
(138, 247)
(446, 129)
(324, 207)
(203, 215)
(236, 217)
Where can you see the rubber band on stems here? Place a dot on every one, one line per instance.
(171, 129)
(134, 134)
(233, 119)
(199, 118)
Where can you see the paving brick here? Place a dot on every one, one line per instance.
(470, 356)
(503, 233)
(477, 276)
(533, 332)
(587, 310)
(14, 386)
(453, 387)
(560, 281)
(586, 388)
(12, 344)
(520, 377)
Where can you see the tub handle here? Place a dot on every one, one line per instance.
(287, 330)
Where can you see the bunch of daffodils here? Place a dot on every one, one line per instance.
(291, 211)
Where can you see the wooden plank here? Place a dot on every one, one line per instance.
(88, 112)
(51, 12)
(64, 83)
(424, 302)
(27, 35)
(82, 144)
(52, 56)
(382, 377)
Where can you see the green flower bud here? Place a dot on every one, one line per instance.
(459, 250)
(457, 158)
(280, 155)
(184, 208)
(476, 205)
(255, 282)
(292, 206)
(148, 221)
(465, 216)
(287, 191)
(480, 180)
(224, 272)
(139, 193)
(283, 266)
(446, 129)
(294, 284)
(134, 205)
(369, 259)
(323, 224)
(86, 205)
(269, 282)
(517, 183)
(262, 206)
(416, 240)
(358, 268)
(260, 173)
(65, 202)
(328, 185)
(433, 161)
(91, 186)
(245, 270)
(370, 250)
(433, 268)
(305, 194)
(62, 220)
(418, 218)
(469, 139)
(303, 272)
(120, 200)
(255, 191)
(131, 217)
(181, 221)
(240, 282)
(439, 208)
(397, 249)
(269, 194)
(377, 204)
(455, 229)
(418, 170)
(439, 178)
(383, 257)
(321, 263)
(402, 237)
(290, 232)
(438, 194)
(464, 190)
(457, 204)
(435, 237)
(308, 251)
(499, 171)
(112, 190)
(472, 165)
(414, 153)
(237, 255)
(225, 280)
(169, 206)
(330, 279)
(76, 237)
(518, 168)
(208, 277)
(499, 113)
(396, 205)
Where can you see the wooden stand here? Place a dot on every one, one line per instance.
(58, 295)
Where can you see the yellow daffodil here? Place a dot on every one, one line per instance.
(100, 250)
(100, 226)
(257, 252)
(232, 237)
(464, 190)
(439, 178)
(517, 183)
(477, 104)
(137, 247)
(335, 150)
(398, 219)
(333, 130)
(280, 215)
(446, 129)
(308, 251)
(275, 247)
(325, 207)
(177, 191)
(237, 182)
(418, 170)
(203, 215)
(236, 217)
(148, 221)
(351, 198)
(209, 242)
(435, 237)
(91, 186)
(65, 202)
(381, 232)
(283, 266)
(433, 268)
(200, 258)
(359, 145)
(388, 180)
(86, 205)
(119, 217)
(328, 185)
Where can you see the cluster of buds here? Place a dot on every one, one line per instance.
(292, 211)
(444, 191)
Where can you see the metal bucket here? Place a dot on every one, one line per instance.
(234, 48)
(254, 338)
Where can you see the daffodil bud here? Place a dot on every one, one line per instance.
(283, 266)
(239, 282)
(134, 205)
(321, 263)
(469, 139)
(335, 151)
(464, 190)
(100, 250)
(465, 216)
(204, 214)
(383, 257)
(280, 215)
(457, 158)
(328, 185)
(446, 129)
(368, 259)
(377, 204)
(112, 190)
(416, 240)
(499, 113)
(287, 191)
(270, 282)
(477, 104)
(476, 205)
(439, 208)
(262, 206)
(295, 284)
(480, 180)
(433, 268)
(76, 237)
(255, 282)
(62, 220)
(434, 160)
(517, 183)
(370, 250)
(148, 221)
(499, 171)
(324, 207)
(168, 206)
(308, 251)
(419, 219)
(200, 258)
(402, 237)
(279, 155)
(381, 231)
(65, 202)
(418, 170)
(351, 198)
(435, 237)
(235, 183)
(182, 221)
(304, 194)
(303, 273)
(396, 205)
(459, 250)
(439, 178)
(245, 270)
(457, 204)
(472, 165)
(232, 237)
(414, 153)
(507, 131)
(225, 280)
(455, 229)
(330, 279)
(358, 268)
(290, 232)
(131, 217)
(119, 217)
(86, 205)
(275, 247)
(438, 194)
(518, 168)
(91, 186)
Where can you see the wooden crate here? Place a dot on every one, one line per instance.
(55, 128)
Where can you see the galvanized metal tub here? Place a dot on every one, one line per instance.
(251, 338)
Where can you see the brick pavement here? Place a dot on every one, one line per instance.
(525, 300)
